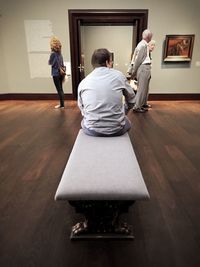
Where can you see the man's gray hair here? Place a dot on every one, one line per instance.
(146, 33)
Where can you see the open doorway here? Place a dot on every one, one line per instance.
(78, 19)
(119, 40)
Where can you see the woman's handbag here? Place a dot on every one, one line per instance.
(62, 70)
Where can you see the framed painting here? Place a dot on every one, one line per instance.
(178, 48)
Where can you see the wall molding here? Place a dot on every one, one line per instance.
(173, 97)
(152, 97)
(33, 96)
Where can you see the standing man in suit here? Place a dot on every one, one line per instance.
(151, 46)
(142, 71)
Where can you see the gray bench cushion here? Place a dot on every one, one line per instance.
(102, 168)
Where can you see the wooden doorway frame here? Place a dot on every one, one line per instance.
(79, 17)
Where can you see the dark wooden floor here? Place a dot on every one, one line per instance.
(35, 143)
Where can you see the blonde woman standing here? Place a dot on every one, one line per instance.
(57, 69)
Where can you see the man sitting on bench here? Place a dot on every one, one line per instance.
(94, 181)
(100, 98)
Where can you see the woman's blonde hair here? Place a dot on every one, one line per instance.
(152, 45)
(55, 44)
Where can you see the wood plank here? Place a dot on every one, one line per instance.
(35, 143)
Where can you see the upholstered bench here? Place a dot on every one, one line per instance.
(102, 179)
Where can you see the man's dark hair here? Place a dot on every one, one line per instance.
(99, 57)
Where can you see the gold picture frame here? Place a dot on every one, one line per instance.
(178, 48)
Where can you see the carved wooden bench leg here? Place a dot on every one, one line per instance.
(102, 220)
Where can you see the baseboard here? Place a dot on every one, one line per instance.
(172, 97)
(33, 96)
(153, 97)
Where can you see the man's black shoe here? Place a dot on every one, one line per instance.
(147, 106)
(139, 110)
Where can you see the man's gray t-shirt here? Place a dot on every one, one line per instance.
(100, 99)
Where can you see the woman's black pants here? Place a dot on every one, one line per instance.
(58, 80)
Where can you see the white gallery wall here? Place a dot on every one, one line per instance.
(26, 27)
